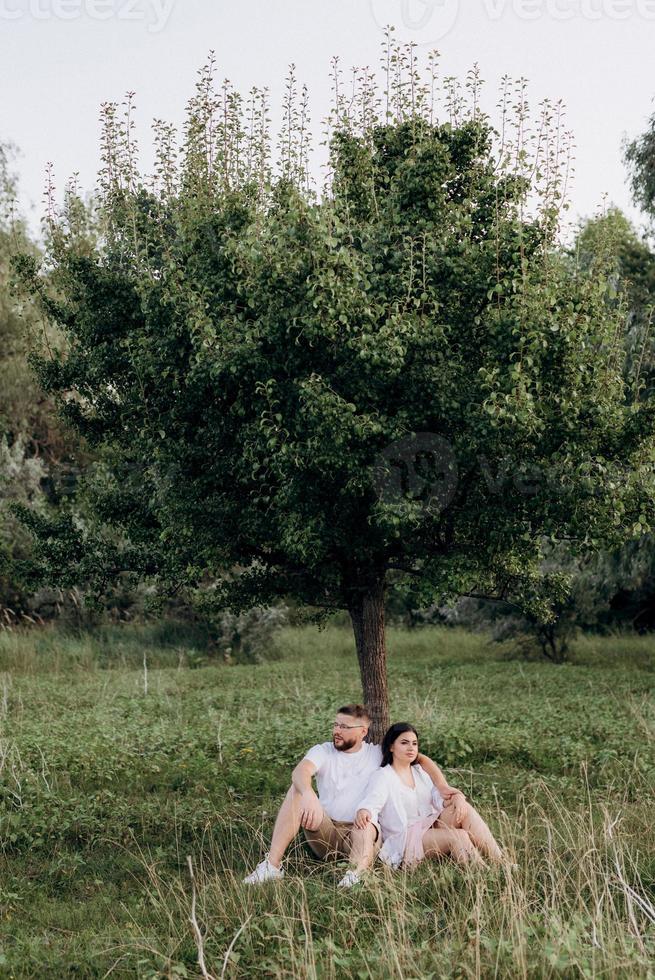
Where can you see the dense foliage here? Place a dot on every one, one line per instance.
(35, 449)
(615, 587)
(640, 157)
(246, 354)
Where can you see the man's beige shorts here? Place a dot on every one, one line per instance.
(333, 838)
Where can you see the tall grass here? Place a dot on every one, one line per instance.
(573, 905)
(108, 785)
(53, 649)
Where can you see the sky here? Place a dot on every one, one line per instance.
(61, 59)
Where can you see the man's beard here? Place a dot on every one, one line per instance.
(344, 745)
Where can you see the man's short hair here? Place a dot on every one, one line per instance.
(359, 711)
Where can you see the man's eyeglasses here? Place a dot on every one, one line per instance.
(338, 724)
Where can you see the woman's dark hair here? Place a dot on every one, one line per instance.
(391, 736)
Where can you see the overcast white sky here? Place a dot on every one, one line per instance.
(59, 59)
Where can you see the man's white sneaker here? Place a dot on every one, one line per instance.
(349, 879)
(265, 871)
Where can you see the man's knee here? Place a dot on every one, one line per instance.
(288, 804)
(291, 806)
(290, 796)
(365, 842)
(293, 797)
(367, 835)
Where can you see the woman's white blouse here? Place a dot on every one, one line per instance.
(385, 796)
(416, 800)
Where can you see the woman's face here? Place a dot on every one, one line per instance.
(405, 747)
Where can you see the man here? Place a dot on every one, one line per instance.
(342, 768)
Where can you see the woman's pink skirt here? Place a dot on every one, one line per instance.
(414, 845)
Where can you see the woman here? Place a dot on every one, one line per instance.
(419, 814)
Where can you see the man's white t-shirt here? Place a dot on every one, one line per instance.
(341, 777)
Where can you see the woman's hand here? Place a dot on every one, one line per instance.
(362, 818)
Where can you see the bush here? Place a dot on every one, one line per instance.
(20, 480)
(247, 637)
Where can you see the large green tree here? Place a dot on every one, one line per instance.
(398, 383)
(630, 263)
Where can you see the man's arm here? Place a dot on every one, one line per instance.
(301, 777)
(437, 777)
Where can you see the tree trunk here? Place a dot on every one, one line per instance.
(367, 615)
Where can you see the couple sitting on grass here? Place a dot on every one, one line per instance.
(386, 800)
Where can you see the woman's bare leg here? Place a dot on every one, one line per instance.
(452, 841)
(475, 827)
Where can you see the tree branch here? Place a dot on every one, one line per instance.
(402, 568)
(490, 598)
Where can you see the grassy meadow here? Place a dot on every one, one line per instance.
(124, 751)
